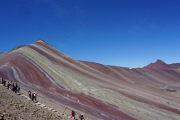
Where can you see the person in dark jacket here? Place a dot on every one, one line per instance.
(18, 89)
(8, 85)
(15, 89)
(29, 93)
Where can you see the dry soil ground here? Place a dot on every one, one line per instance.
(17, 107)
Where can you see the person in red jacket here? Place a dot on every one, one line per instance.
(73, 114)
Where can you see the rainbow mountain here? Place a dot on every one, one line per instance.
(104, 91)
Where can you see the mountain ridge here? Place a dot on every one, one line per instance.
(159, 64)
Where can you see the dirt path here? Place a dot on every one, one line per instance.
(18, 107)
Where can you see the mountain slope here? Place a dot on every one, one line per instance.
(107, 92)
(175, 65)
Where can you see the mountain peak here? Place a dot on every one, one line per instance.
(40, 40)
(160, 61)
(159, 64)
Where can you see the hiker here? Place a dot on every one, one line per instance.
(8, 85)
(12, 87)
(4, 82)
(1, 81)
(81, 116)
(15, 89)
(34, 96)
(29, 92)
(18, 89)
(73, 114)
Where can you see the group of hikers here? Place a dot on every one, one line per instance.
(12, 86)
(16, 89)
(32, 96)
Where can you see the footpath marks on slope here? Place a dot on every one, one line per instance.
(38, 103)
(45, 107)
(55, 111)
(25, 97)
(49, 109)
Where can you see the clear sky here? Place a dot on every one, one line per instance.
(127, 33)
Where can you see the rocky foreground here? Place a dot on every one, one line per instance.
(16, 107)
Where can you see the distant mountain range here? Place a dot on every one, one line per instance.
(159, 64)
(103, 91)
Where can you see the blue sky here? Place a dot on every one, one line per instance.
(127, 33)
